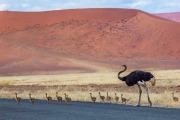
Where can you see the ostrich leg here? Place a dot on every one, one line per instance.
(144, 86)
(140, 91)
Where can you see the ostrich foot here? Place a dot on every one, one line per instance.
(138, 105)
(150, 104)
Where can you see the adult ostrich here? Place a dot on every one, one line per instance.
(139, 78)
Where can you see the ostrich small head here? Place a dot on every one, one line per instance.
(121, 94)
(153, 81)
(15, 93)
(46, 94)
(29, 94)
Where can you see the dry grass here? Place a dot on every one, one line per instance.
(165, 99)
(5, 83)
(167, 79)
(65, 79)
(159, 100)
(170, 78)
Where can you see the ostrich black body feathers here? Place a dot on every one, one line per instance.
(135, 76)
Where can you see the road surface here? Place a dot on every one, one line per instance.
(10, 110)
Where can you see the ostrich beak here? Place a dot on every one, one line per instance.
(153, 81)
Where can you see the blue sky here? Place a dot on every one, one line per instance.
(151, 6)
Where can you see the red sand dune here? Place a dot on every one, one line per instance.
(174, 16)
(86, 40)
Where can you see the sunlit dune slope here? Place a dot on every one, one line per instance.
(86, 40)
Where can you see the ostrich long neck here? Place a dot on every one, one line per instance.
(121, 78)
(16, 96)
(30, 96)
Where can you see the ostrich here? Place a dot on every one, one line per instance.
(68, 99)
(59, 98)
(116, 98)
(139, 78)
(49, 98)
(93, 98)
(108, 98)
(31, 99)
(18, 99)
(101, 97)
(175, 98)
(123, 99)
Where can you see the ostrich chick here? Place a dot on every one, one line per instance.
(67, 99)
(31, 99)
(59, 98)
(116, 98)
(123, 99)
(108, 98)
(175, 98)
(101, 97)
(93, 98)
(18, 99)
(49, 98)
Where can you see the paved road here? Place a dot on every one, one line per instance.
(10, 110)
